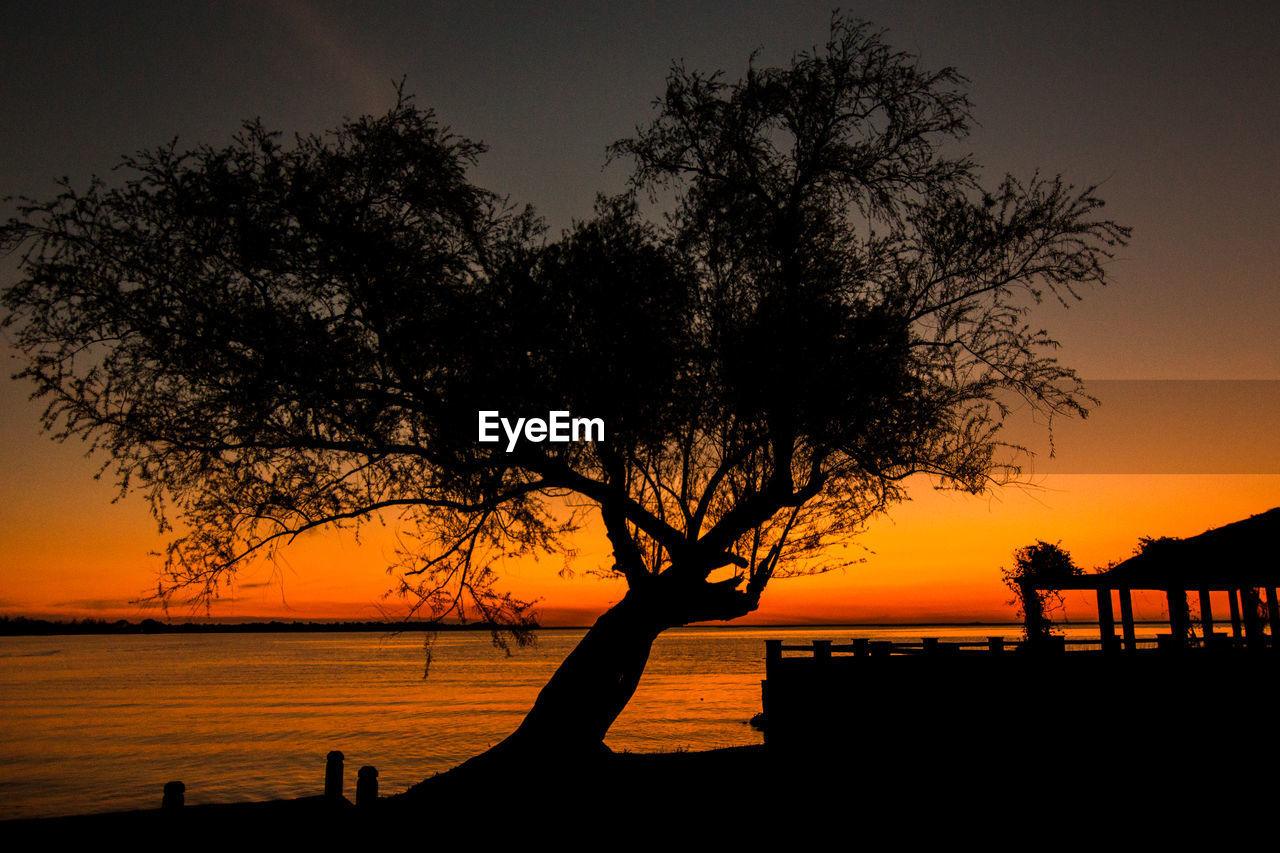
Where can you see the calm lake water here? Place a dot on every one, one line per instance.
(100, 723)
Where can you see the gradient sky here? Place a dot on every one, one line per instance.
(1173, 108)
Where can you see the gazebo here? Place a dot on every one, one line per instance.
(1241, 558)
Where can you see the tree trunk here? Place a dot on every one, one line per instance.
(595, 682)
(573, 712)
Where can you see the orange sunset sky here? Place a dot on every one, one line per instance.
(1175, 115)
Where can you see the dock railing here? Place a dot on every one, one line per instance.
(995, 646)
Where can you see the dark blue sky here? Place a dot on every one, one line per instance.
(1173, 107)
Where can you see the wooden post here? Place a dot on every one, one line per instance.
(333, 775)
(822, 651)
(1252, 625)
(1206, 616)
(1273, 614)
(1177, 598)
(881, 649)
(772, 656)
(1107, 622)
(861, 647)
(995, 645)
(930, 645)
(1126, 620)
(1236, 631)
(367, 786)
(174, 795)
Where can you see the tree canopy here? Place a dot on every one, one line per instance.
(268, 337)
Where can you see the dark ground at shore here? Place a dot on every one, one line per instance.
(898, 795)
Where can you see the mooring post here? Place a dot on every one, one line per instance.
(174, 795)
(881, 648)
(822, 651)
(995, 645)
(367, 786)
(861, 647)
(333, 775)
(930, 645)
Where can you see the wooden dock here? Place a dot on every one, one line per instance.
(832, 695)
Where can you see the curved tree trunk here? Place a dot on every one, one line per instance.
(573, 712)
(575, 709)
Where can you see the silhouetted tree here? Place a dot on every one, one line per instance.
(1042, 562)
(270, 338)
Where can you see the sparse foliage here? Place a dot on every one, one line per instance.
(268, 338)
(1042, 562)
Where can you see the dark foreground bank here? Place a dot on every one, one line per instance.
(1024, 790)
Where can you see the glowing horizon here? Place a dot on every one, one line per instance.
(1093, 95)
(935, 558)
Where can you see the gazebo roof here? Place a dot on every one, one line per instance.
(1243, 553)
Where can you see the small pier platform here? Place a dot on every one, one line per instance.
(859, 695)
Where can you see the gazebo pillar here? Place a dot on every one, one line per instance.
(1273, 614)
(1178, 615)
(1126, 620)
(1106, 621)
(1206, 615)
(1252, 625)
(1232, 595)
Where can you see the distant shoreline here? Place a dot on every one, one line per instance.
(23, 627)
